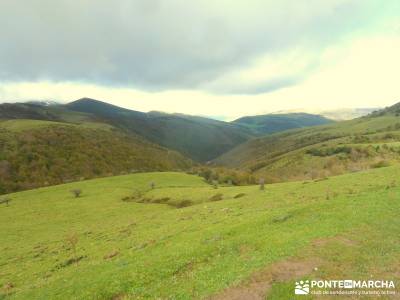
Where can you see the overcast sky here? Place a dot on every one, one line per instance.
(217, 57)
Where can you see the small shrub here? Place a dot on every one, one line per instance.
(380, 164)
(216, 197)
(137, 194)
(5, 201)
(7, 287)
(262, 184)
(183, 203)
(70, 261)
(143, 200)
(215, 184)
(239, 195)
(329, 151)
(126, 199)
(280, 219)
(321, 179)
(161, 200)
(72, 240)
(76, 192)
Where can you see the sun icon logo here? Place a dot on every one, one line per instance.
(302, 287)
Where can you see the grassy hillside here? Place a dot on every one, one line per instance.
(110, 243)
(38, 153)
(266, 124)
(316, 152)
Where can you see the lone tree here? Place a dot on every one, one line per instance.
(5, 201)
(215, 184)
(76, 192)
(152, 185)
(72, 240)
(262, 184)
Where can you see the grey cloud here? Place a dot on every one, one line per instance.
(260, 88)
(162, 44)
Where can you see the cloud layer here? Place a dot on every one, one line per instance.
(223, 47)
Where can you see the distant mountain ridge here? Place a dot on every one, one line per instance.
(199, 138)
(271, 123)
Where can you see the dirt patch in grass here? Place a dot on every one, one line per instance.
(245, 251)
(258, 285)
(120, 297)
(340, 239)
(111, 254)
(7, 289)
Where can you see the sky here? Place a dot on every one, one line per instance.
(216, 58)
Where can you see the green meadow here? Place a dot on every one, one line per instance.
(181, 238)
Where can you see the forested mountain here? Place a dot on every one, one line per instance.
(37, 153)
(199, 138)
(271, 123)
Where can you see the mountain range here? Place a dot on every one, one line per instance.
(45, 143)
(199, 138)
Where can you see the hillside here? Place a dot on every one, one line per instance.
(316, 152)
(25, 111)
(199, 138)
(38, 153)
(271, 123)
(123, 240)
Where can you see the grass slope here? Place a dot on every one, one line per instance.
(348, 226)
(321, 151)
(271, 123)
(38, 153)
